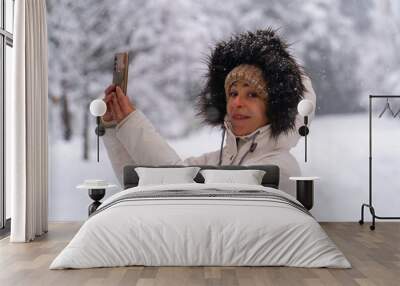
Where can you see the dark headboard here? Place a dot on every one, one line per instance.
(270, 179)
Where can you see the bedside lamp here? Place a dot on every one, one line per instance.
(305, 108)
(98, 108)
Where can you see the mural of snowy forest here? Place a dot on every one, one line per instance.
(348, 47)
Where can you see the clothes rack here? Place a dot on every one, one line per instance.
(370, 205)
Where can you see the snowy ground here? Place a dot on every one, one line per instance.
(338, 154)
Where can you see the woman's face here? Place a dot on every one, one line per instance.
(246, 109)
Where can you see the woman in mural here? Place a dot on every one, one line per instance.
(252, 91)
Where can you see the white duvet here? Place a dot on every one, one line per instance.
(200, 231)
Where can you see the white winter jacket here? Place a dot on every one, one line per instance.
(135, 141)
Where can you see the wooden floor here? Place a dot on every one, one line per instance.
(374, 255)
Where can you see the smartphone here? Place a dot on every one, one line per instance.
(120, 78)
(120, 71)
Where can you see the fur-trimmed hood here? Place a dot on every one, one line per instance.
(283, 75)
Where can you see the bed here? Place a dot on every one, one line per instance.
(201, 224)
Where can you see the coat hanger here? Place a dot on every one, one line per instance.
(397, 113)
(387, 106)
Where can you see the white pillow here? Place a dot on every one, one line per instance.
(248, 177)
(162, 176)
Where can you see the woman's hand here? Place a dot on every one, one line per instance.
(118, 104)
(108, 116)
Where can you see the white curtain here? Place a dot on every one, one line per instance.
(27, 123)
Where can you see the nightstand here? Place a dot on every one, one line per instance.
(96, 190)
(305, 190)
